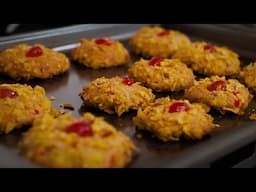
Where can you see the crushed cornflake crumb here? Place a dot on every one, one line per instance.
(138, 136)
(67, 106)
(61, 112)
(52, 98)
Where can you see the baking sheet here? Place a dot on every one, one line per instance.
(235, 131)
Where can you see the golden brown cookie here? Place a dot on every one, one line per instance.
(20, 105)
(207, 59)
(219, 93)
(28, 62)
(162, 74)
(248, 74)
(170, 119)
(101, 53)
(67, 142)
(116, 95)
(156, 41)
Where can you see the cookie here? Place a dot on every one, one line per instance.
(170, 119)
(27, 62)
(162, 74)
(209, 60)
(20, 105)
(248, 74)
(158, 42)
(67, 142)
(221, 94)
(116, 95)
(101, 53)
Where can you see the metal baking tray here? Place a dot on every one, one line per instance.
(232, 145)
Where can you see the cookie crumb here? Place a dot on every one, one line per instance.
(69, 106)
(52, 98)
(61, 112)
(138, 136)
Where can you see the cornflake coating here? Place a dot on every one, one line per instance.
(162, 74)
(170, 119)
(116, 95)
(67, 142)
(156, 41)
(221, 94)
(28, 62)
(21, 104)
(209, 60)
(248, 74)
(101, 53)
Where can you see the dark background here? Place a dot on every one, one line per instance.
(10, 29)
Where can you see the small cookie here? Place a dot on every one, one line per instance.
(222, 94)
(248, 74)
(209, 60)
(28, 62)
(169, 120)
(20, 105)
(100, 53)
(66, 142)
(162, 74)
(159, 42)
(116, 95)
